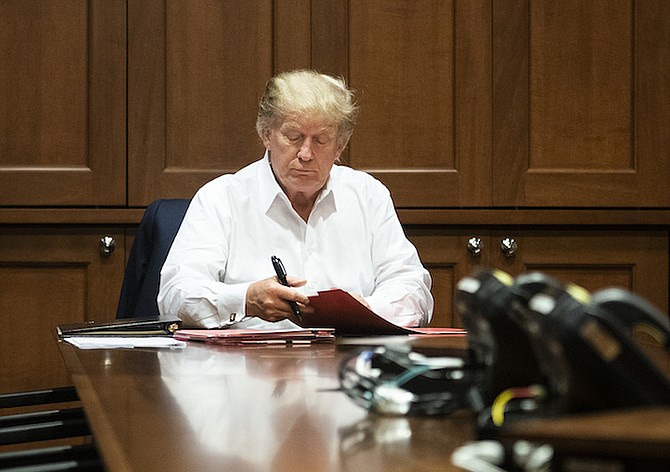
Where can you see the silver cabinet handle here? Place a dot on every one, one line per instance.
(508, 246)
(475, 245)
(107, 245)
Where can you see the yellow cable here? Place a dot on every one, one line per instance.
(499, 404)
(501, 401)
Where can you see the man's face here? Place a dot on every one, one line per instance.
(302, 152)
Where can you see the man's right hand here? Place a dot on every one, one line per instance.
(268, 299)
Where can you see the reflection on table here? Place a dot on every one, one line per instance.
(247, 409)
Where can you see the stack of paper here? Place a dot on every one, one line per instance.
(233, 336)
(112, 342)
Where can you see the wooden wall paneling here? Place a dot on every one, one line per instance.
(473, 94)
(574, 124)
(634, 260)
(652, 101)
(146, 101)
(510, 141)
(293, 33)
(50, 276)
(422, 70)
(330, 41)
(581, 97)
(62, 103)
(208, 65)
(444, 253)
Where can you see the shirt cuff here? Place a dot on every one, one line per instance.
(396, 312)
(231, 304)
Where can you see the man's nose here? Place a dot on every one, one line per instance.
(306, 150)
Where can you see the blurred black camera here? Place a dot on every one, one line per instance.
(573, 349)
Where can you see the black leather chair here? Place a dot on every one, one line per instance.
(153, 240)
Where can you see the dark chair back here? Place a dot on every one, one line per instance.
(153, 240)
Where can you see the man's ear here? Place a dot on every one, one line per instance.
(266, 139)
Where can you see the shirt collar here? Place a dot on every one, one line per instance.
(270, 192)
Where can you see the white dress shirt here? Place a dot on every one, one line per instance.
(352, 240)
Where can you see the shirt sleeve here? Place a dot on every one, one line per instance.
(402, 285)
(190, 286)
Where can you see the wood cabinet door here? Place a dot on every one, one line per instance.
(51, 277)
(196, 71)
(580, 107)
(463, 104)
(446, 255)
(594, 259)
(633, 260)
(423, 72)
(62, 103)
(508, 103)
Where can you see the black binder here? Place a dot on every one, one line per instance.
(122, 327)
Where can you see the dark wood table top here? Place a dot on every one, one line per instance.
(642, 433)
(247, 409)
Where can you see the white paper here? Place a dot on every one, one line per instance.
(112, 342)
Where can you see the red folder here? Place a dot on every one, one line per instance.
(237, 337)
(339, 310)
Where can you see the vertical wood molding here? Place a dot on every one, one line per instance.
(292, 35)
(194, 102)
(510, 25)
(652, 99)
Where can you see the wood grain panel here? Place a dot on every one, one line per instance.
(510, 139)
(196, 72)
(422, 78)
(62, 103)
(580, 85)
(49, 277)
(292, 44)
(652, 100)
(218, 57)
(579, 95)
(407, 99)
(633, 260)
(589, 277)
(45, 81)
(30, 355)
(444, 281)
(443, 251)
(329, 36)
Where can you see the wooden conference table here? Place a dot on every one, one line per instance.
(277, 408)
(246, 409)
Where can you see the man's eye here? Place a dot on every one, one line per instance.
(293, 137)
(322, 139)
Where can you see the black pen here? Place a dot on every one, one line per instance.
(281, 275)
